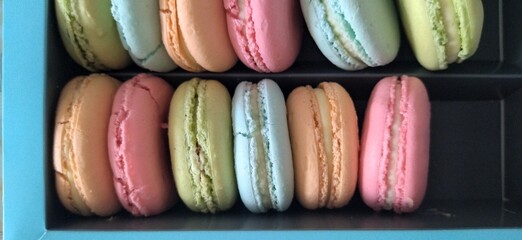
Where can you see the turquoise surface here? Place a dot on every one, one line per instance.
(26, 162)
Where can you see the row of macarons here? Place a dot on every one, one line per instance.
(210, 35)
(142, 144)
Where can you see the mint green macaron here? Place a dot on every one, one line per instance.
(354, 34)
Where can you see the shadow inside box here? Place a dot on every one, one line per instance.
(442, 214)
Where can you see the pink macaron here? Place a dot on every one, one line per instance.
(138, 147)
(395, 140)
(266, 36)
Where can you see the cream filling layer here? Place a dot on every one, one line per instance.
(198, 149)
(451, 26)
(258, 145)
(326, 171)
(393, 155)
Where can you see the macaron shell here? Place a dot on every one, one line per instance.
(471, 14)
(324, 37)
(425, 39)
(415, 170)
(348, 146)
(173, 37)
(242, 150)
(274, 29)
(90, 35)
(305, 147)
(279, 154)
(216, 114)
(308, 145)
(140, 31)
(418, 28)
(80, 146)
(201, 26)
(417, 145)
(178, 146)
(370, 26)
(279, 140)
(138, 145)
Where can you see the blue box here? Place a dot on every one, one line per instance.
(475, 185)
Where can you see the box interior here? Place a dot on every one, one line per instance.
(475, 153)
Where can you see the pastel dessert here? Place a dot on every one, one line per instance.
(266, 36)
(263, 157)
(395, 145)
(139, 27)
(138, 145)
(80, 154)
(200, 138)
(90, 35)
(354, 34)
(442, 32)
(325, 145)
(195, 35)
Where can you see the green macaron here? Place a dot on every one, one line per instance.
(200, 139)
(442, 32)
(90, 35)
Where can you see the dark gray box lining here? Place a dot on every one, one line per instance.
(475, 152)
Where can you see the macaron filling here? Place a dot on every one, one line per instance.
(241, 12)
(345, 33)
(198, 148)
(452, 26)
(438, 30)
(335, 129)
(465, 25)
(326, 163)
(331, 37)
(392, 163)
(260, 162)
(447, 30)
(327, 135)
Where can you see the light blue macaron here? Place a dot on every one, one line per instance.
(140, 32)
(262, 153)
(354, 34)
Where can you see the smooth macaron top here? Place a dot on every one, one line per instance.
(139, 27)
(80, 154)
(138, 147)
(200, 138)
(263, 157)
(395, 145)
(90, 35)
(442, 32)
(266, 36)
(195, 35)
(354, 34)
(325, 145)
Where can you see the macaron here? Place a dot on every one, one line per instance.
(442, 32)
(354, 34)
(139, 27)
(395, 145)
(138, 145)
(200, 139)
(266, 36)
(84, 180)
(195, 35)
(325, 145)
(263, 157)
(90, 35)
